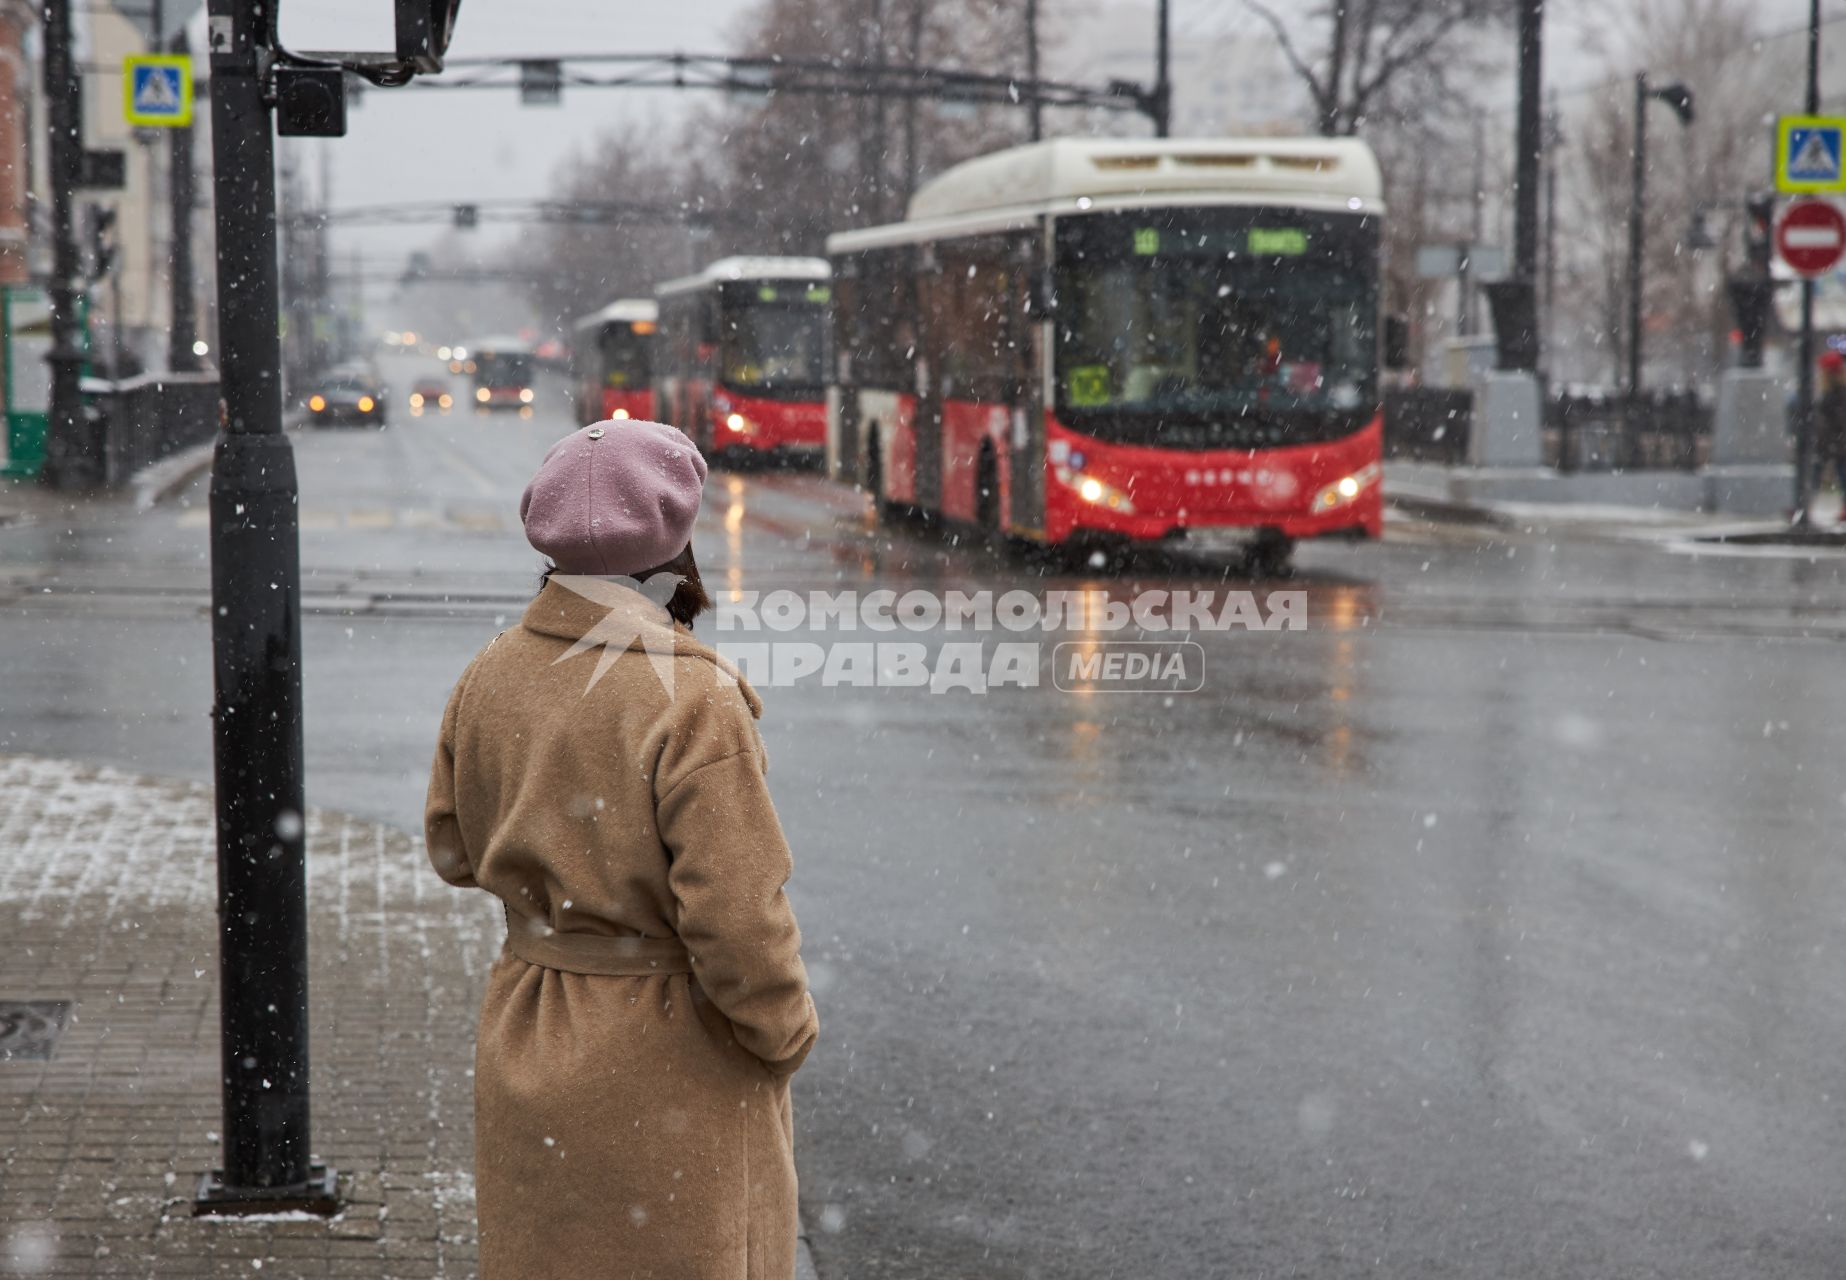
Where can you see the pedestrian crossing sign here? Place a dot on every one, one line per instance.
(157, 89)
(1808, 153)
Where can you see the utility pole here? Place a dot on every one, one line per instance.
(1637, 233)
(256, 650)
(1678, 97)
(911, 168)
(183, 322)
(1163, 77)
(1553, 140)
(64, 465)
(1520, 347)
(1037, 107)
(1804, 386)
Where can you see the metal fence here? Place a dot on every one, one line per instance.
(1659, 431)
(1428, 424)
(131, 424)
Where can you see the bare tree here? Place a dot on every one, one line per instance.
(574, 268)
(795, 167)
(1697, 181)
(1366, 60)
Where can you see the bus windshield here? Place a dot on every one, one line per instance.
(1226, 327)
(503, 369)
(773, 338)
(624, 356)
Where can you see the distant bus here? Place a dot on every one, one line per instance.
(738, 364)
(612, 361)
(1121, 340)
(505, 373)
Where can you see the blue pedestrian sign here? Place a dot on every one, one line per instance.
(157, 89)
(1808, 153)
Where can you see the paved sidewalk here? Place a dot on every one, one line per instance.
(107, 887)
(107, 904)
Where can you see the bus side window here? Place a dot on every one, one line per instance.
(976, 304)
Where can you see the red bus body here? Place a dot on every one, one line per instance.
(612, 361)
(1142, 368)
(738, 363)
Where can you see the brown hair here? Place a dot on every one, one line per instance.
(689, 597)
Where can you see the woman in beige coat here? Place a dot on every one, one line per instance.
(600, 773)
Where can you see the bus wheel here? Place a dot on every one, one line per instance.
(1272, 555)
(987, 498)
(875, 478)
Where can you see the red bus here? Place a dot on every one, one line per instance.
(1121, 340)
(612, 361)
(505, 373)
(739, 361)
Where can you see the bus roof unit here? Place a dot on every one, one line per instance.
(629, 309)
(1011, 188)
(748, 268)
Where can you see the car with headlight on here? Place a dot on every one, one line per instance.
(431, 395)
(347, 398)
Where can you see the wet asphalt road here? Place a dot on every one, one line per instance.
(1489, 927)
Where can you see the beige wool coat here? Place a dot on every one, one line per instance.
(600, 773)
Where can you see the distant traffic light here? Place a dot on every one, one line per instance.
(100, 231)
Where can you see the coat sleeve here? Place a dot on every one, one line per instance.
(441, 826)
(729, 865)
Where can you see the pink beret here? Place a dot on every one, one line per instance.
(615, 498)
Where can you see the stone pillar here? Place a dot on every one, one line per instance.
(1751, 424)
(1508, 423)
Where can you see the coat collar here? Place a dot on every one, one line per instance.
(571, 606)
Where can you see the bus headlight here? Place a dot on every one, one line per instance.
(481, 394)
(1096, 492)
(1346, 489)
(738, 423)
(525, 395)
(317, 403)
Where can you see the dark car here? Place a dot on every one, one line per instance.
(347, 399)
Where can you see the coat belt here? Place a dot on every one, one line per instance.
(593, 953)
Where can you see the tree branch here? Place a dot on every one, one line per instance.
(1301, 68)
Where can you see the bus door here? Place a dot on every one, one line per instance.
(935, 305)
(1026, 433)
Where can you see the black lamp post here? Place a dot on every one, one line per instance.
(1678, 97)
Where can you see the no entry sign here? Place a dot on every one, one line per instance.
(1810, 236)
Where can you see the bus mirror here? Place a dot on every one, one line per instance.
(1396, 342)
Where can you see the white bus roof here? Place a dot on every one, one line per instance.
(748, 268)
(629, 309)
(1013, 188)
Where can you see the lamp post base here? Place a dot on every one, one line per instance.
(316, 1196)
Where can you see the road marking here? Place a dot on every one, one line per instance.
(482, 483)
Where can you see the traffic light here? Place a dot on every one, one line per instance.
(1759, 231)
(100, 231)
(424, 28)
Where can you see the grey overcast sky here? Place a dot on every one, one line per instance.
(418, 144)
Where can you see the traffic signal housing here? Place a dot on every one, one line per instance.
(424, 28)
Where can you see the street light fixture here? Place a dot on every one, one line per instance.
(1679, 98)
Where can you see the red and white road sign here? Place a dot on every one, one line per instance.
(1810, 236)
